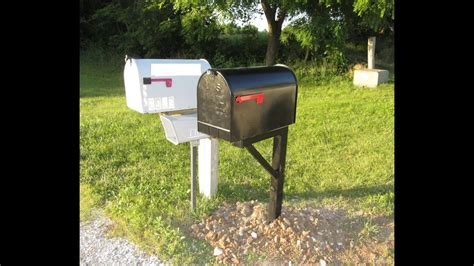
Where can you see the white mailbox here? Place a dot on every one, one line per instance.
(169, 87)
(162, 85)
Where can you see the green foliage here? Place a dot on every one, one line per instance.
(238, 10)
(329, 25)
(200, 32)
(321, 35)
(240, 47)
(193, 29)
(137, 28)
(375, 14)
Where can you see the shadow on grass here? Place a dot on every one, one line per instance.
(351, 193)
(242, 192)
(245, 192)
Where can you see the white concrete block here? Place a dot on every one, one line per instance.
(207, 166)
(370, 77)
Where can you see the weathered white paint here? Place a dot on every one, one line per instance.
(208, 166)
(371, 53)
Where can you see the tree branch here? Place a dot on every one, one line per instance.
(268, 10)
(282, 12)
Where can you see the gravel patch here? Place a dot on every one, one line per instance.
(98, 249)
(308, 235)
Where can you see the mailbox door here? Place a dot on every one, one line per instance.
(133, 86)
(214, 105)
(257, 111)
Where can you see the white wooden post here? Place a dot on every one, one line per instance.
(371, 53)
(207, 168)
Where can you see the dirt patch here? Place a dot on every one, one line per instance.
(240, 233)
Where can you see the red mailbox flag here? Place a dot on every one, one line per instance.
(258, 98)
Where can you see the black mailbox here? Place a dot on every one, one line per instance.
(246, 105)
(236, 104)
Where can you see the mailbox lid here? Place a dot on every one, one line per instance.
(213, 105)
(250, 78)
(162, 85)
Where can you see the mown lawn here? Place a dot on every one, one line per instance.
(340, 153)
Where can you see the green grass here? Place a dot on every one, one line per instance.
(88, 201)
(340, 152)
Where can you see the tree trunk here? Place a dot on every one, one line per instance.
(274, 30)
(272, 49)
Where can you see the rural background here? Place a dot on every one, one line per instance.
(339, 194)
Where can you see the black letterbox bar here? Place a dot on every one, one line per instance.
(276, 170)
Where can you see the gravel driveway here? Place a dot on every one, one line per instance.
(97, 249)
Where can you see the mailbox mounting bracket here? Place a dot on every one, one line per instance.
(262, 160)
(276, 169)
